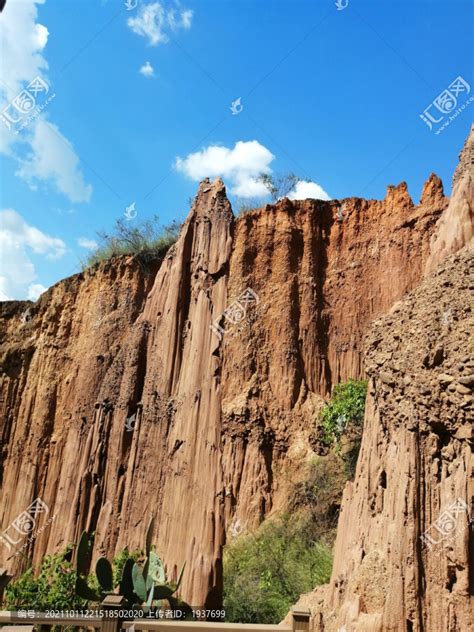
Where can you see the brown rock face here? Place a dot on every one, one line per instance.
(402, 557)
(119, 402)
(456, 226)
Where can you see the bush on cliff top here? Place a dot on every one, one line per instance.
(148, 240)
(266, 572)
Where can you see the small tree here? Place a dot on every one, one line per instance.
(342, 419)
(279, 186)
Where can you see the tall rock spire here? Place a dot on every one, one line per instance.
(456, 225)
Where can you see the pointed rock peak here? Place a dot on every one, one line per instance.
(466, 159)
(433, 191)
(211, 199)
(205, 186)
(398, 195)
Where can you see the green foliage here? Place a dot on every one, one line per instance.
(148, 240)
(96, 587)
(103, 571)
(341, 421)
(266, 572)
(52, 588)
(150, 582)
(119, 562)
(141, 579)
(345, 409)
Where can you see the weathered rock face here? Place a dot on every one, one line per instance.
(403, 555)
(320, 280)
(456, 227)
(148, 360)
(211, 424)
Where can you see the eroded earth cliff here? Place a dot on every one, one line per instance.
(403, 555)
(121, 398)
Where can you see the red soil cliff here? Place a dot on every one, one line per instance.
(211, 422)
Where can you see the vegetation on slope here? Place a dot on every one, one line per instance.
(342, 419)
(345, 408)
(265, 572)
(316, 498)
(148, 240)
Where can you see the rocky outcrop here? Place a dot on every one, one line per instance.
(120, 402)
(456, 226)
(403, 554)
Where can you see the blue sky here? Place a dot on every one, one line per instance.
(140, 109)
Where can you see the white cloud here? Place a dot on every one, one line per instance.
(153, 20)
(241, 165)
(17, 240)
(305, 189)
(52, 157)
(147, 70)
(88, 244)
(35, 290)
(22, 42)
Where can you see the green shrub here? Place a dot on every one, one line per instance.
(341, 421)
(119, 563)
(52, 588)
(344, 410)
(266, 572)
(148, 240)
